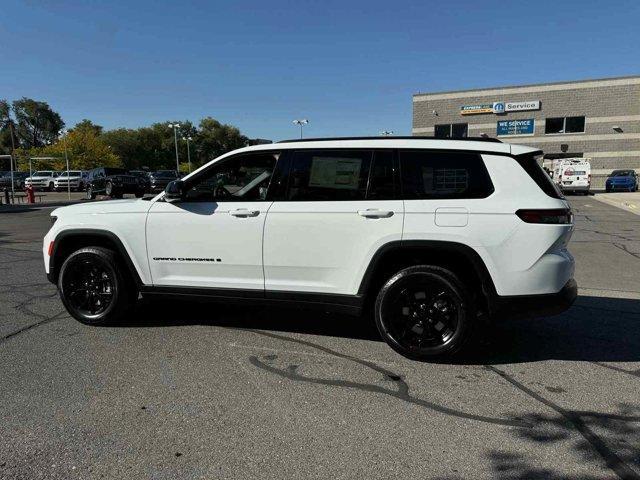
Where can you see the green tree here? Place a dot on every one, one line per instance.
(214, 139)
(36, 123)
(7, 128)
(88, 125)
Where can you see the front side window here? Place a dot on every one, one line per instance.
(242, 178)
(432, 175)
(325, 175)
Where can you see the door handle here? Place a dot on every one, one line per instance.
(375, 213)
(243, 213)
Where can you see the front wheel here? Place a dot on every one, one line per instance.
(93, 287)
(425, 312)
(90, 195)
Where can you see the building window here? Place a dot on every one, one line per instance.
(451, 130)
(564, 125)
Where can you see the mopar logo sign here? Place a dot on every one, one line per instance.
(498, 107)
(515, 127)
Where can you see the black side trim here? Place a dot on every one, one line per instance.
(528, 306)
(415, 137)
(65, 235)
(351, 304)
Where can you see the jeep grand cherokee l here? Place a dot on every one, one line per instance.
(432, 235)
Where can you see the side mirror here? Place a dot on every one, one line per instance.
(174, 191)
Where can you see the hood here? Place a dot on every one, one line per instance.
(127, 205)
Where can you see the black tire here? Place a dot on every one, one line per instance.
(139, 194)
(425, 313)
(117, 195)
(93, 286)
(50, 186)
(108, 189)
(91, 195)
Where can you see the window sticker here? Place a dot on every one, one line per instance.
(334, 172)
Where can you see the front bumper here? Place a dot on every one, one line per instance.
(530, 306)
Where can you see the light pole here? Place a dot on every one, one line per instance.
(66, 158)
(188, 139)
(302, 122)
(175, 127)
(386, 133)
(13, 154)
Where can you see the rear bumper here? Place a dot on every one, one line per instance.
(575, 188)
(530, 306)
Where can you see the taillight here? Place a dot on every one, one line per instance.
(560, 216)
(50, 250)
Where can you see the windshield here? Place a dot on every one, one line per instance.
(114, 171)
(165, 173)
(42, 173)
(72, 173)
(622, 173)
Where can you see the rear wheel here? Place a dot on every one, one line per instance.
(93, 287)
(108, 189)
(425, 312)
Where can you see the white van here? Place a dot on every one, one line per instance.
(571, 174)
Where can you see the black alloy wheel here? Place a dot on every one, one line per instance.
(93, 288)
(424, 312)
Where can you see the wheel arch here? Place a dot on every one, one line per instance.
(454, 256)
(68, 241)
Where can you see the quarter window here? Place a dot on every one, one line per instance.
(452, 130)
(431, 175)
(564, 125)
(325, 175)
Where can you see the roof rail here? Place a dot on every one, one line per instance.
(391, 137)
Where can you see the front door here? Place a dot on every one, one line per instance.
(213, 237)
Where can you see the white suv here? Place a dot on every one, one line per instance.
(73, 180)
(433, 235)
(42, 180)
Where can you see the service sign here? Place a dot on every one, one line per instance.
(522, 106)
(515, 127)
(474, 109)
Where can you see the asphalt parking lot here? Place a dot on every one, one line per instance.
(213, 391)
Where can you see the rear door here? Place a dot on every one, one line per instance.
(338, 208)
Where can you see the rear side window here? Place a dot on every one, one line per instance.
(326, 175)
(381, 178)
(538, 175)
(443, 175)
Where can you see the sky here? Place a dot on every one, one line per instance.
(349, 67)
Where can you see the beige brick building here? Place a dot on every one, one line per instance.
(598, 119)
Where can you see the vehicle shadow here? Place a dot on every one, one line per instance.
(595, 329)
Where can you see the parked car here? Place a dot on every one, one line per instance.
(144, 175)
(74, 180)
(625, 180)
(42, 180)
(431, 235)
(572, 174)
(161, 178)
(114, 182)
(19, 179)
